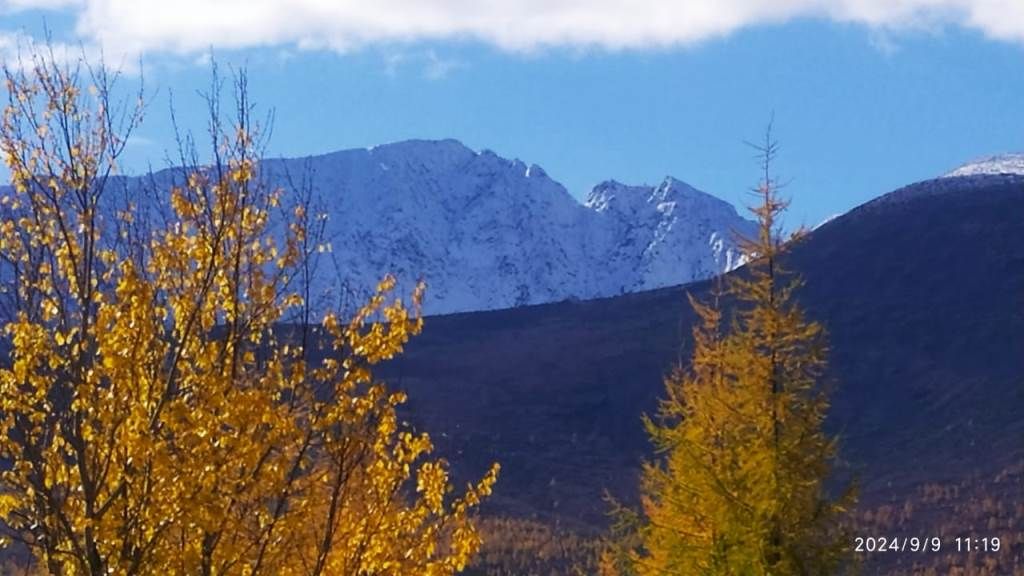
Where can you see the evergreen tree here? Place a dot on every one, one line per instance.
(741, 486)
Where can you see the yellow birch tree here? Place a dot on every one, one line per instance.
(156, 417)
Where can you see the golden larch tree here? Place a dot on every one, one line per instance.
(156, 414)
(740, 487)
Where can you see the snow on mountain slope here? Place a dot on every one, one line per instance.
(1001, 164)
(982, 173)
(486, 232)
(664, 235)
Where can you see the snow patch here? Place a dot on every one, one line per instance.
(1000, 164)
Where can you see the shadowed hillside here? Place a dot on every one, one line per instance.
(922, 292)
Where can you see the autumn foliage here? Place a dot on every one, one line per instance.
(155, 418)
(740, 483)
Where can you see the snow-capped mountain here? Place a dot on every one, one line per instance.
(992, 165)
(981, 173)
(486, 232)
(662, 235)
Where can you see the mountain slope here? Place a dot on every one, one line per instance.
(647, 226)
(992, 165)
(486, 232)
(922, 292)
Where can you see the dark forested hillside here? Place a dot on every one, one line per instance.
(922, 292)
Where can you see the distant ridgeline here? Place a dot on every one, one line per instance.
(485, 232)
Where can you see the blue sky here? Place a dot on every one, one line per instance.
(862, 103)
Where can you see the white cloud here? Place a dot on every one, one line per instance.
(883, 41)
(433, 66)
(136, 141)
(438, 68)
(20, 50)
(18, 5)
(392, 62)
(193, 26)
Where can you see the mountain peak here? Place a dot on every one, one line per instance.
(991, 165)
(421, 144)
(489, 232)
(670, 195)
(443, 152)
(675, 183)
(612, 193)
(674, 189)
